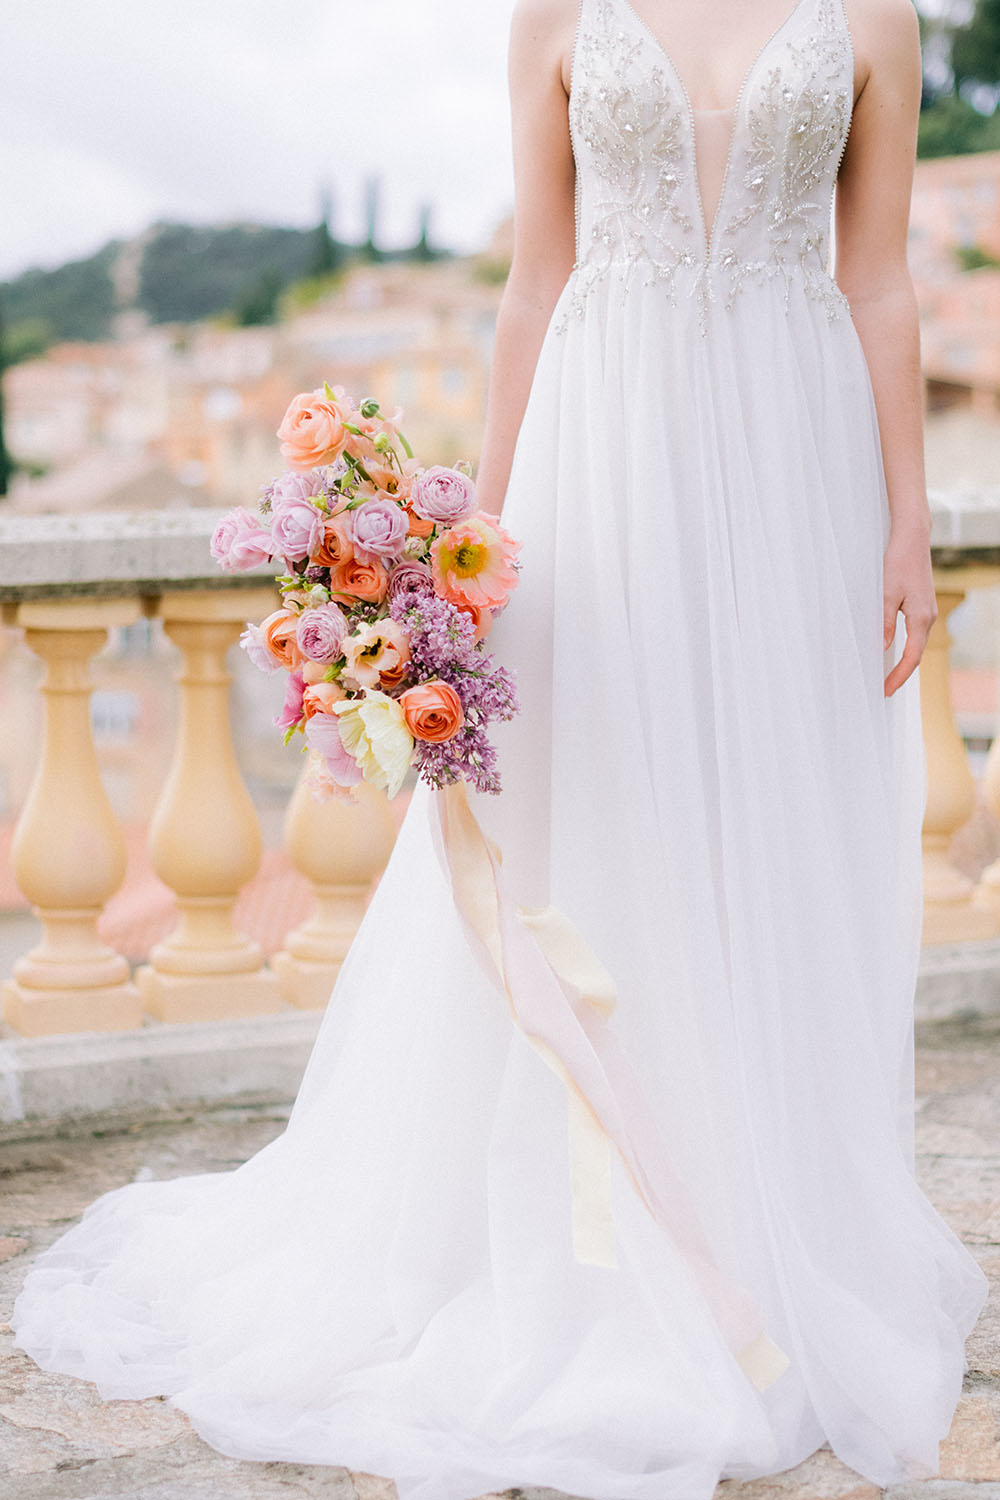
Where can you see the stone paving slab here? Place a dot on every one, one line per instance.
(59, 1441)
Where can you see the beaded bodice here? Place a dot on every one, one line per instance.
(639, 209)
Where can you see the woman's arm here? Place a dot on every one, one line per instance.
(872, 217)
(541, 43)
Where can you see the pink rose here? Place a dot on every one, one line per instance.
(291, 713)
(296, 528)
(323, 736)
(320, 633)
(443, 496)
(239, 542)
(312, 431)
(378, 529)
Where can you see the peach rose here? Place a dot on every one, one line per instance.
(482, 618)
(432, 711)
(313, 672)
(280, 630)
(335, 545)
(320, 698)
(351, 580)
(312, 431)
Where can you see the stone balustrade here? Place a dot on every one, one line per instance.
(65, 587)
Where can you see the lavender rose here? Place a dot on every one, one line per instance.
(239, 542)
(443, 495)
(320, 633)
(292, 486)
(379, 529)
(410, 578)
(296, 528)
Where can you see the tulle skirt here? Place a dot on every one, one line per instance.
(707, 779)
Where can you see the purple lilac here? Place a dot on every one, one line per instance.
(442, 646)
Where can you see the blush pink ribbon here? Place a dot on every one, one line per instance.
(560, 996)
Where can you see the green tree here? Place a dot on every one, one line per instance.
(259, 303)
(975, 47)
(328, 253)
(952, 127)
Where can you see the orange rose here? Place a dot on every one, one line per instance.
(352, 579)
(312, 431)
(336, 545)
(280, 634)
(390, 677)
(319, 698)
(418, 525)
(433, 711)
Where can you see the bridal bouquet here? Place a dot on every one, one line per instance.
(391, 580)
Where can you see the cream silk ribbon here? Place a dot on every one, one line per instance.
(560, 995)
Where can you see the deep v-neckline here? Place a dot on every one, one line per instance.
(708, 234)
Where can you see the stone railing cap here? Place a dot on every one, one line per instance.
(113, 553)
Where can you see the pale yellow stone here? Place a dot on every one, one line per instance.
(68, 853)
(951, 912)
(341, 846)
(205, 838)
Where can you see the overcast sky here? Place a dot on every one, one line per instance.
(114, 113)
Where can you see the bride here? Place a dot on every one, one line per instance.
(709, 443)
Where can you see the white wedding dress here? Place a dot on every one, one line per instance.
(708, 780)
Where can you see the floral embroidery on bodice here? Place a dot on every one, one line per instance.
(639, 206)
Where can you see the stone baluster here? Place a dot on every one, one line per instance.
(205, 837)
(341, 847)
(68, 852)
(988, 890)
(951, 910)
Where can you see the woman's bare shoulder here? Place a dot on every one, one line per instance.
(542, 31)
(546, 20)
(885, 33)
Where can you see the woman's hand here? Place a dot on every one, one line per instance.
(907, 585)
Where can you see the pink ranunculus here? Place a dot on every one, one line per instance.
(473, 562)
(240, 543)
(320, 633)
(443, 496)
(312, 431)
(378, 529)
(254, 643)
(410, 578)
(292, 711)
(296, 528)
(323, 735)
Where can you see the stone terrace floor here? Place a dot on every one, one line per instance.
(59, 1442)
